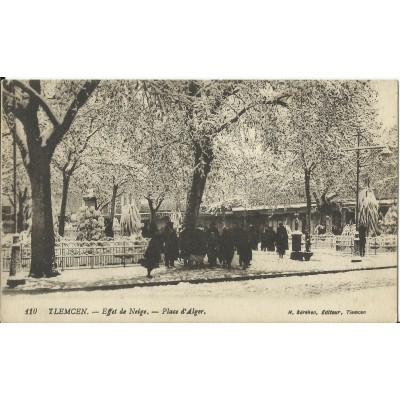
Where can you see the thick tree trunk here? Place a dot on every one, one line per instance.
(42, 241)
(194, 199)
(199, 180)
(307, 179)
(61, 227)
(152, 210)
(153, 214)
(37, 156)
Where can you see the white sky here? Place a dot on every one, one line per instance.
(388, 102)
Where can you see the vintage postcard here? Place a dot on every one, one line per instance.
(199, 201)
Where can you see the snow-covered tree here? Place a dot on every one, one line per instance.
(130, 219)
(72, 153)
(368, 210)
(163, 155)
(23, 193)
(39, 129)
(110, 164)
(319, 123)
(90, 225)
(210, 108)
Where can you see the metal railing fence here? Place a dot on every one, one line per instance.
(81, 254)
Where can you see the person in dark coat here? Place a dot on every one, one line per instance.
(362, 235)
(226, 248)
(186, 239)
(213, 228)
(212, 248)
(171, 247)
(245, 250)
(240, 234)
(282, 240)
(235, 233)
(254, 237)
(199, 246)
(271, 237)
(264, 240)
(152, 255)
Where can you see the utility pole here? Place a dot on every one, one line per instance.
(358, 166)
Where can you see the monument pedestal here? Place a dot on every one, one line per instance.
(296, 253)
(16, 277)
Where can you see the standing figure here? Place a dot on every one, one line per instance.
(199, 246)
(264, 240)
(152, 255)
(362, 234)
(245, 251)
(238, 235)
(171, 246)
(282, 240)
(226, 248)
(213, 228)
(271, 237)
(254, 237)
(235, 234)
(212, 248)
(186, 237)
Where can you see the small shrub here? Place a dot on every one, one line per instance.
(90, 225)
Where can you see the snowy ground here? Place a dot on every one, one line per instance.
(371, 292)
(264, 263)
(356, 296)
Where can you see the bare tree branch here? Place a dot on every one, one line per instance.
(279, 101)
(57, 164)
(159, 201)
(81, 98)
(88, 137)
(42, 101)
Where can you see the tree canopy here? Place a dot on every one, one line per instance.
(197, 141)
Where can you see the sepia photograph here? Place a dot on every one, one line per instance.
(199, 200)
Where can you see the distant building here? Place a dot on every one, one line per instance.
(342, 213)
(263, 216)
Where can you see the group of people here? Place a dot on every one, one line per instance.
(194, 244)
(166, 242)
(279, 240)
